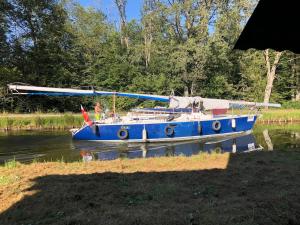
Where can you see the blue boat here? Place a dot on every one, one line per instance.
(160, 131)
(186, 118)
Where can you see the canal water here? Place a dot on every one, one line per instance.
(26, 146)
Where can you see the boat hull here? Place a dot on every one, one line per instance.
(166, 131)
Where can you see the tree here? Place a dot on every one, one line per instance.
(187, 29)
(39, 48)
(271, 73)
(91, 34)
(41, 38)
(183, 46)
(148, 22)
(296, 77)
(7, 71)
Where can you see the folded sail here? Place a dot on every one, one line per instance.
(46, 91)
(174, 101)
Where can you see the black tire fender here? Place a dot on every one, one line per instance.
(123, 133)
(216, 125)
(169, 130)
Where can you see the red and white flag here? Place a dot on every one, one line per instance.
(86, 116)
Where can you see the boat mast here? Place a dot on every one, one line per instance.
(114, 105)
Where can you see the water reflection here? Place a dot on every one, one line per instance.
(26, 146)
(234, 144)
(268, 139)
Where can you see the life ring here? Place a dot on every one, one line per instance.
(122, 134)
(217, 150)
(199, 128)
(216, 125)
(169, 130)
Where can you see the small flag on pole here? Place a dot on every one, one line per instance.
(86, 116)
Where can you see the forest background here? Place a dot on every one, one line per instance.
(181, 47)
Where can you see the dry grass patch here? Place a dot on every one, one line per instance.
(258, 188)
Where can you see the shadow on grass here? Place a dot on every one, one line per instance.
(256, 188)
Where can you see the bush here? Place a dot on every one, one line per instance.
(291, 105)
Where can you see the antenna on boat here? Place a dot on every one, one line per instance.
(114, 105)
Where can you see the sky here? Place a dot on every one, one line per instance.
(133, 8)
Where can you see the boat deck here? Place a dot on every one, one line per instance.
(164, 118)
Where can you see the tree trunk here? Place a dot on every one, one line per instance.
(186, 91)
(271, 72)
(297, 96)
(148, 38)
(193, 87)
(148, 18)
(148, 42)
(295, 77)
(121, 5)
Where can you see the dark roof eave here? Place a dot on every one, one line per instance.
(273, 24)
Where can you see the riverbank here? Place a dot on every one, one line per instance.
(279, 116)
(39, 121)
(69, 120)
(257, 188)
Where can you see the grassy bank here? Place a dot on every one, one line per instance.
(256, 188)
(289, 127)
(40, 121)
(68, 120)
(280, 115)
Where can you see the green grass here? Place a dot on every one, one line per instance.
(274, 115)
(7, 180)
(281, 114)
(69, 120)
(11, 164)
(4, 180)
(40, 121)
(291, 105)
(259, 128)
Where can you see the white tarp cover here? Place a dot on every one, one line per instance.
(211, 103)
(208, 103)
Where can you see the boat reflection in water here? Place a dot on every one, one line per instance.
(98, 151)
